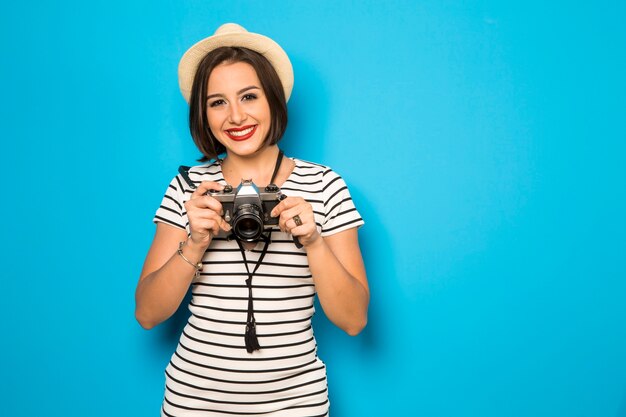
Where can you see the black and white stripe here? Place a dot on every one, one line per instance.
(211, 373)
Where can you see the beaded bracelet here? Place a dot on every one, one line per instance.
(197, 266)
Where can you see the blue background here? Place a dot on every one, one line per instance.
(484, 144)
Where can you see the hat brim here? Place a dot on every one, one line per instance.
(262, 44)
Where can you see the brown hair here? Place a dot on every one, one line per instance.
(270, 83)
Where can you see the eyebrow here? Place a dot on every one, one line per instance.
(243, 90)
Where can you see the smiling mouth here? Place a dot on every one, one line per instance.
(241, 133)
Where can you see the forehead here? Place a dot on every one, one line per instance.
(232, 76)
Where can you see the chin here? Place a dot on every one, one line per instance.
(247, 148)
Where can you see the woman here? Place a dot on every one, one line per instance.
(248, 347)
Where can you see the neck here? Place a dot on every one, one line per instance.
(258, 167)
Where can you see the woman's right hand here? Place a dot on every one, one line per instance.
(205, 215)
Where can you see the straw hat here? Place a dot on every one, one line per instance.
(231, 34)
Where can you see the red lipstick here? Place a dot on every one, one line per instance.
(241, 133)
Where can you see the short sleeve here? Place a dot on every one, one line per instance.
(339, 209)
(171, 211)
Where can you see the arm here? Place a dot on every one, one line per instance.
(336, 265)
(166, 276)
(340, 280)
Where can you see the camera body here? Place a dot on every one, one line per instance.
(247, 209)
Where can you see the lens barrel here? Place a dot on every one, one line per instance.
(247, 222)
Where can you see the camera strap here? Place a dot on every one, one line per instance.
(183, 170)
(279, 160)
(250, 337)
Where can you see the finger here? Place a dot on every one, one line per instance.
(300, 210)
(299, 230)
(304, 214)
(212, 225)
(204, 202)
(203, 214)
(202, 228)
(290, 223)
(224, 225)
(287, 203)
(206, 186)
(285, 217)
(206, 214)
(209, 202)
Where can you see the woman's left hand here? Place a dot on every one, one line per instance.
(296, 217)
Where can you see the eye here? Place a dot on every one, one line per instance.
(216, 103)
(248, 97)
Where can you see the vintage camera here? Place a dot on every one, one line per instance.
(247, 209)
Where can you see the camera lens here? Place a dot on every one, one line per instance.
(247, 223)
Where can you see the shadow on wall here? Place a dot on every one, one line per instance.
(366, 350)
(621, 411)
(376, 247)
(371, 237)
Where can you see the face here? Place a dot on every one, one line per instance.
(237, 109)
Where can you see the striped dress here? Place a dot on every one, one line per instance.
(211, 373)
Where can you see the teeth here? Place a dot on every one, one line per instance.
(241, 132)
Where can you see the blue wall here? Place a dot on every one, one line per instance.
(484, 143)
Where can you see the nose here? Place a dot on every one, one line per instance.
(237, 113)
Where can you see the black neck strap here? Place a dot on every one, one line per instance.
(250, 337)
(279, 160)
(184, 170)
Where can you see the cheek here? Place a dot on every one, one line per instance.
(215, 128)
(214, 122)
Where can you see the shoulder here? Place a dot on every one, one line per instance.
(331, 199)
(198, 173)
(311, 168)
(318, 178)
(201, 171)
(324, 175)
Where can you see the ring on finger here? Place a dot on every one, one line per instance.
(296, 219)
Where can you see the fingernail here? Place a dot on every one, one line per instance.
(273, 213)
